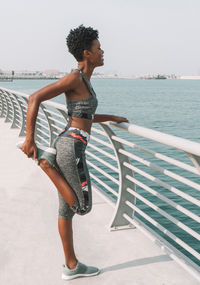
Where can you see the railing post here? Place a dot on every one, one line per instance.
(195, 159)
(13, 102)
(10, 108)
(6, 107)
(23, 116)
(118, 221)
(64, 114)
(3, 105)
(52, 136)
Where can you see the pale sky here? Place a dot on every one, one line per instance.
(138, 36)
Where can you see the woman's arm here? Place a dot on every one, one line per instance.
(52, 90)
(103, 118)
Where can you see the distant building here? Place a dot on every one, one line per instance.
(51, 72)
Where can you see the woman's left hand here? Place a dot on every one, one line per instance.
(118, 119)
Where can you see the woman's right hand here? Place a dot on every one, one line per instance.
(29, 148)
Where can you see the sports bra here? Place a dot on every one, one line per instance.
(83, 108)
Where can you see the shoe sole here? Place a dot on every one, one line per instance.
(64, 277)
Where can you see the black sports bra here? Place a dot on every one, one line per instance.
(83, 108)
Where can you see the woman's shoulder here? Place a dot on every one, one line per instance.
(73, 78)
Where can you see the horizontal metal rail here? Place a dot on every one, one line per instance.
(165, 231)
(158, 155)
(166, 139)
(157, 194)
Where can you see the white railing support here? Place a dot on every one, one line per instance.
(6, 108)
(14, 109)
(195, 159)
(3, 106)
(10, 108)
(23, 116)
(51, 128)
(118, 221)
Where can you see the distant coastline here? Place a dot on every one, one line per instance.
(191, 77)
(55, 75)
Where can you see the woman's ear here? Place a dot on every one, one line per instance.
(86, 53)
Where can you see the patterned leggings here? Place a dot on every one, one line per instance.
(70, 162)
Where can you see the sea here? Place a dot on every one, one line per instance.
(171, 106)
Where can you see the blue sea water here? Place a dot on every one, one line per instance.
(169, 106)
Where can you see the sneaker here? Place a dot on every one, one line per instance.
(81, 270)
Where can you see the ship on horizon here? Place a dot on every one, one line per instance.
(159, 76)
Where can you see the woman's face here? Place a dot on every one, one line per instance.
(96, 54)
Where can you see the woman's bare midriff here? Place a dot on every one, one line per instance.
(81, 123)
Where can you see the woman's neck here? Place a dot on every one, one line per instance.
(86, 69)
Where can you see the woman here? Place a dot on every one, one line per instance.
(69, 173)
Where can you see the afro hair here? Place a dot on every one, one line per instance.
(81, 39)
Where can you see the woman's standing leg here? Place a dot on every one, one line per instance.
(66, 233)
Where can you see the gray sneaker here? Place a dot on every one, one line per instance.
(80, 270)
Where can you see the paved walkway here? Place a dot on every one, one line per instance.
(30, 247)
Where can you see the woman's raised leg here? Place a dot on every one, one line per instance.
(59, 181)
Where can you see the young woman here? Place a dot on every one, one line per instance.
(69, 172)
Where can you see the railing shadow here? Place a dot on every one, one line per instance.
(137, 262)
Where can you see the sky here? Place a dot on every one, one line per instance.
(138, 37)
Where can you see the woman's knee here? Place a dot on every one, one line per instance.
(44, 164)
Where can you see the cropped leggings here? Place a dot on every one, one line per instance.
(70, 162)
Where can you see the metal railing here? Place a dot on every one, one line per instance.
(166, 173)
